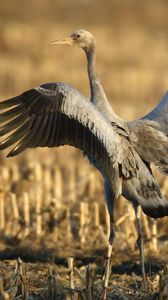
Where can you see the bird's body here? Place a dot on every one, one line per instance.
(149, 140)
(144, 136)
(56, 114)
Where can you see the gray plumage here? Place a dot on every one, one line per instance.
(160, 114)
(145, 136)
(56, 114)
(148, 139)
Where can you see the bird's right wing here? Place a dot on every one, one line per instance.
(55, 114)
(160, 114)
(151, 144)
(151, 132)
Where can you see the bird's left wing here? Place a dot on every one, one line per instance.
(55, 114)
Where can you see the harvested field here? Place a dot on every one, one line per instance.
(52, 206)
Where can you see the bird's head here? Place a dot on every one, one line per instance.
(80, 38)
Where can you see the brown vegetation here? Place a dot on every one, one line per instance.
(51, 201)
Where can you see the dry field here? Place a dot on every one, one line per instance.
(52, 206)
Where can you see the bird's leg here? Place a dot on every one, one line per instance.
(108, 265)
(140, 243)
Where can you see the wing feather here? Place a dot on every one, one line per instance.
(160, 114)
(11, 113)
(27, 140)
(14, 137)
(151, 143)
(10, 102)
(12, 124)
(45, 128)
(53, 131)
(144, 190)
(55, 114)
(39, 132)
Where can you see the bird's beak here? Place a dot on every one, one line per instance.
(64, 41)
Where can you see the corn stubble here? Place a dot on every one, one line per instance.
(38, 216)
(52, 207)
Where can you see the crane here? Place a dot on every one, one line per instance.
(56, 114)
(148, 137)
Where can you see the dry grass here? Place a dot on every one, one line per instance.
(42, 201)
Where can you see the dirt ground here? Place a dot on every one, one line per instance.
(132, 63)
(125, 280)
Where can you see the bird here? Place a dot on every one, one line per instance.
(147, 135)
(55, 114)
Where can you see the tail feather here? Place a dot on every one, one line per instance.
(144, 191)
(159, 211)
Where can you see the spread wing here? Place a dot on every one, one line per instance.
(150, 135)
(55, 114)
(150, 143)
(160, 114)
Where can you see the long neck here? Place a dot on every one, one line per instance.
(98, 96)
(91, 65)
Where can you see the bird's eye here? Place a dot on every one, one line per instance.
(78, 36)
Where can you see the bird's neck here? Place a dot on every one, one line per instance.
(98, 96)
(91, 64)
(95, 86)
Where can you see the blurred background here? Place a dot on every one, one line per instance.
(131, 48)
(132, 62)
